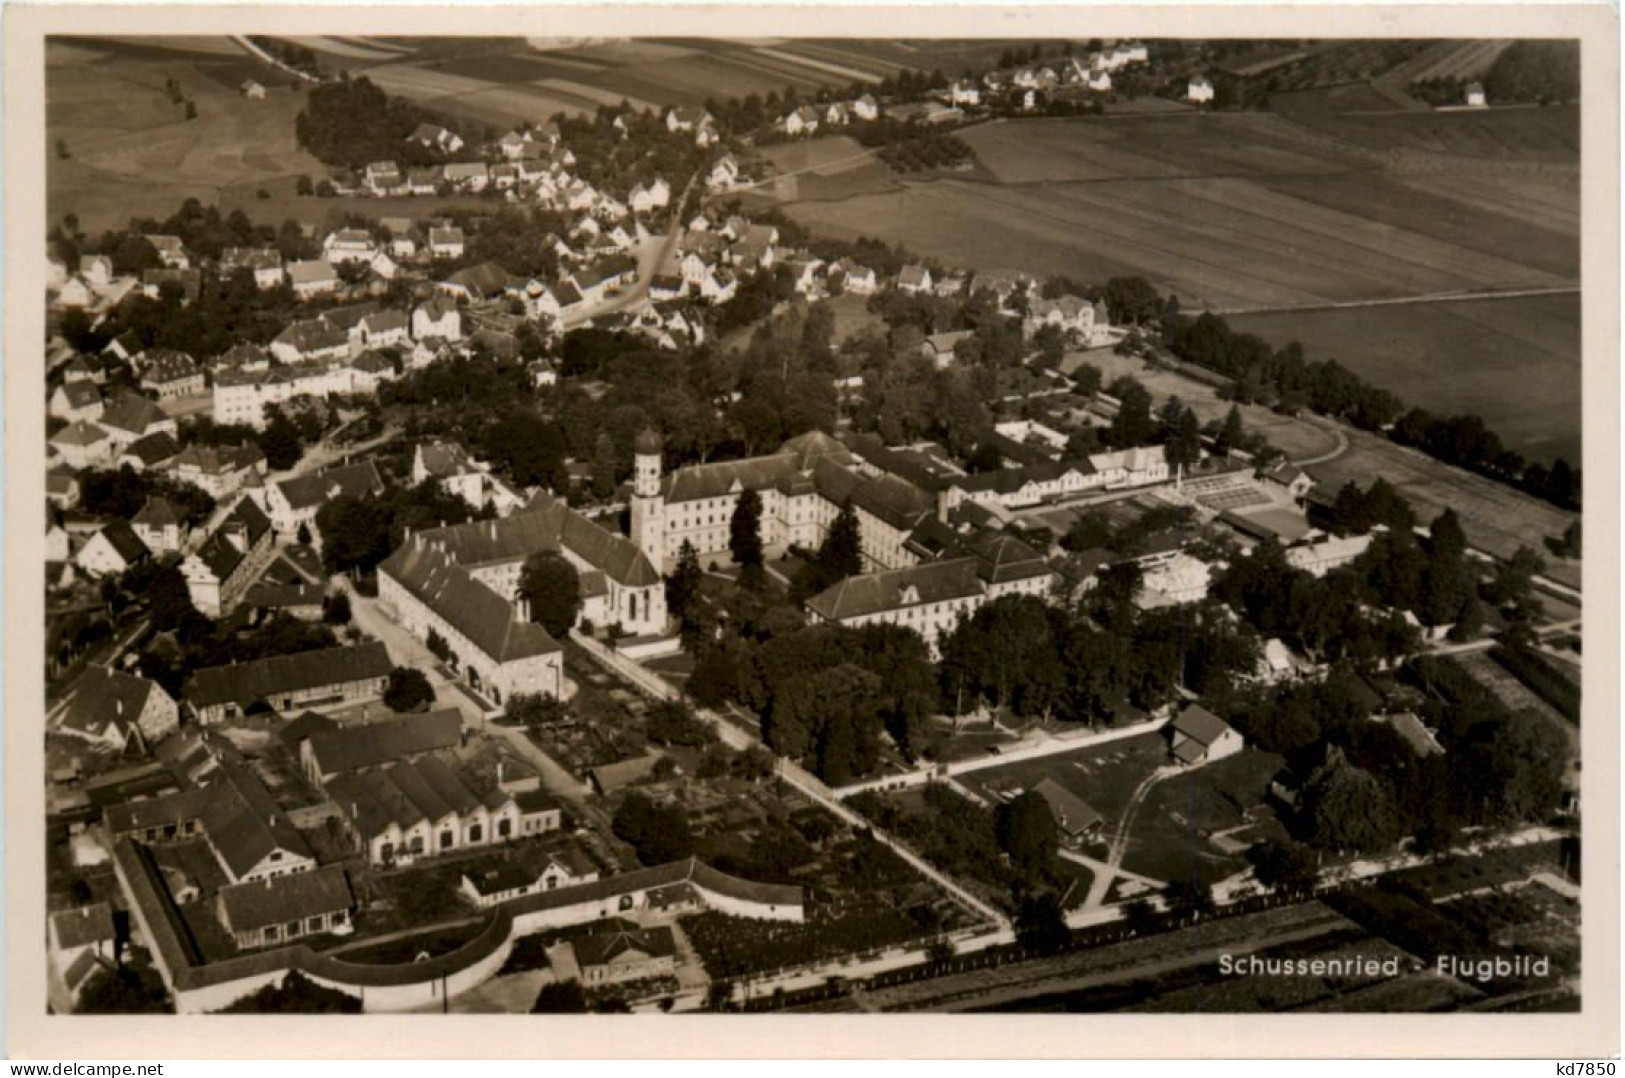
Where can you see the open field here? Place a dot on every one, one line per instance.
(1224, 211)
(1173, 835)
(1299, 437)
(1459, 357)
(1366, 118)
(1102, 775)
(133, 152)
(1496, 518)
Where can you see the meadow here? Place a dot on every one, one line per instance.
(132, 152)
(1459, 357)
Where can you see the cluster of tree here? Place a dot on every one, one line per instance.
(1546, 71)
(121, 494)
(297, 994)
(657, 832)
(353, 122)
(407, 689)
(635, 150)
(198, 642)
(1046, 661)
(671, 723)
(1440, 90)
(551, 587)
(825, 693)
(1284, 378)
(358, 532)
(1363, 786)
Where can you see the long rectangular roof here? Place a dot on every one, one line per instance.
(353, 747)
(244, 683)
(277, 901)
(872, 593)
(488, 620)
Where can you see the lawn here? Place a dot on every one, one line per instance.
(1171, 837)
(1102, 775)
(1461, 357)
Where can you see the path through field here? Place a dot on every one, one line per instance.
(1119, 845)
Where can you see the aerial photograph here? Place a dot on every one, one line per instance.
(811, 525)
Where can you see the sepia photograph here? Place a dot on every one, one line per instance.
(1027, 522)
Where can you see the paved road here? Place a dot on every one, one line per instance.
(651, 257)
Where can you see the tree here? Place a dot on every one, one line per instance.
(1026, 831)
(1132, 425)
(336, 609)
(745, 531)
(1041, 923)
(1348, 808)
(552, 588)
(1231, 434)
(407, 690)
(1184, 446)
(303, 187)
(1286, 865)
(841, 554)
(280, 442)
(683, 585)
(560, 997)
(658, 833)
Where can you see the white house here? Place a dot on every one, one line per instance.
(1199, 91)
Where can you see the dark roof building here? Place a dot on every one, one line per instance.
(214, 690)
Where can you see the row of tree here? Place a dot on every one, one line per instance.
(1285, 378)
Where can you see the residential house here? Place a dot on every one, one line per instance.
(437, 319)
(294, 502)
(171, 374)
(232, 558)
(83, 445)
(111, 550)
(159, 526)
(78, 401)
(270, 912)
(1197, 736)
(171, 251)
(313, 279)
(433, 136)
(114, 711)
(349, 246)
(265, 263)
(218, 471)
(81, 942)
(446, 242)
(914, 279)
(383, 329)
(1199, 91)
(866, 108)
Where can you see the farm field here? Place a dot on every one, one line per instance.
(133, 152)
(1226, 212)
(1364, 117)
(1459, 357)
